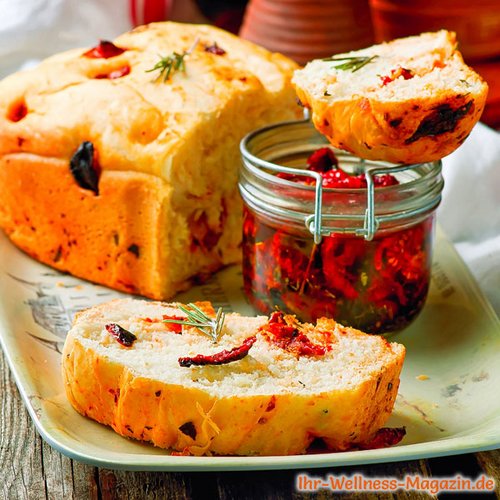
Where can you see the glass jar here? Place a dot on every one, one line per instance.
(361, 256)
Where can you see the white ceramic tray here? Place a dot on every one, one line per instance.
(455, 342)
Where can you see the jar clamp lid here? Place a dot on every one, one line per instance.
(314, 222)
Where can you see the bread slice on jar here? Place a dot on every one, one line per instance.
(411, 100)
(119, 163)
(267, 386)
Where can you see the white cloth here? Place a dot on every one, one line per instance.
(34, 29)
(469, 212)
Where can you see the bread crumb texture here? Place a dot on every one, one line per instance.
(412, 100)
(166, 211)
(272, 402)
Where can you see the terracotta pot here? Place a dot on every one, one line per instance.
(305, 30)
(477, 23)
(490, 71)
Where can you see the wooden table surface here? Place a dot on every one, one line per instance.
(31, 469)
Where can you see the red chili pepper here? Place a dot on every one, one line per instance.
(220, 358)
(104, 50)
(124, 337)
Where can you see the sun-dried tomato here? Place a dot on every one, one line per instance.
(17, 111)
(215, 49)
(386, 436)
(386, 80)
(124, 337)
(203, 235)
(322, 160)
(174, 327)
(384, 180)
(377, 286)
(288, 337)
(219, 358)
(407, 74)
(104, 50)
(339, 179)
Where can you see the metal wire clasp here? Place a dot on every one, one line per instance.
(371, 222)
(367, 223)
(314, 221)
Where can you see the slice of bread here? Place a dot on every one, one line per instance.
(412, 100)
(324, 381)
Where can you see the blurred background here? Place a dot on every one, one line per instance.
(306, 30)
(301, 29)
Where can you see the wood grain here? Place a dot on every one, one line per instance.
(143, 485)
(264, 485)
(31, 469)
(490, 463)
(20, 448)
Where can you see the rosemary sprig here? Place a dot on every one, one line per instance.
(168, 64)
(351, 63)
(211, 327)
(171, 63)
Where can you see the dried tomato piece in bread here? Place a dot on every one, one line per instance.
(412, 100)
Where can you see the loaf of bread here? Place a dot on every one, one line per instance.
(126, 175)
(411, 100)
(288, 384)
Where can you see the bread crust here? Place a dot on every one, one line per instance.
(197, 421)
(414, 127)
(389, 131)
(166, 152)
(51, 221)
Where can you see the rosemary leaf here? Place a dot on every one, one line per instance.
(212, 327)
(350, 63)
(167, 65)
